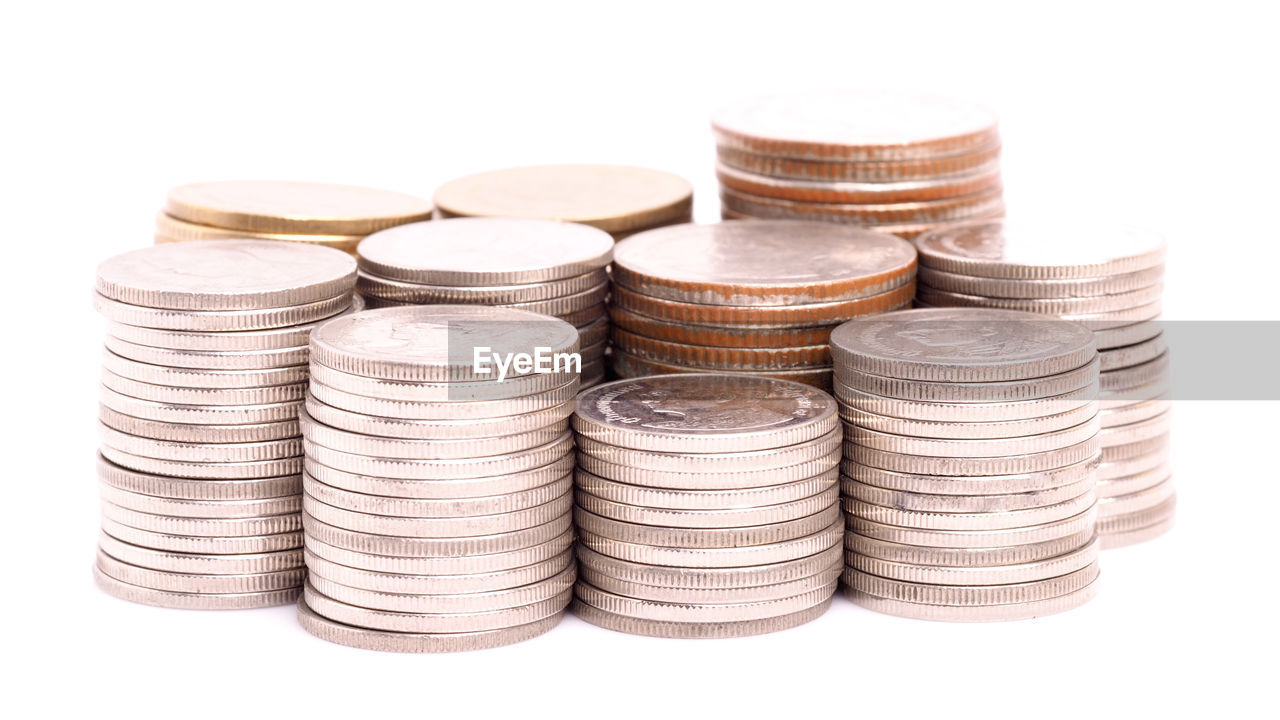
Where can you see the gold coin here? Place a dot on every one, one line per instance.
(294, 207)
(172, 229)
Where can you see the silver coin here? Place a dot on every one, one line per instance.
(183, 507)
(207, 470)
(709, 481)
(269, 359)
(710, 596)
(384, 641)
(703, 538)
(966, 557)
(972, 392)
(984, 430)
(1126, 484)
(1130, 433)
(712, 462)
(1136, 501)
(715, 557)
(966, 412)
(483, 601)
(455, 469)
(199, 414)
(203, 396)
(220, 320)
(436, 429)
(202, 545)
(671, 499)
(378, 286)
(200, 452)
(192, 489)
(976, 613)
(1130, 355)
(1123, 335)
(179, 432)
(965, 466)
(1134, 412)
(943, 484)
(690, 612)
(731, 517)
(1134, 450)
(444, 508)
(1052, 250)
(202, 527)
(464, 408)
(407, 584)
(1001, 537)
(710, 578)
(475, 556)
(197, 564)
(667, 629)
(439, 489)
(485, 251)
(970, 595)
(1026, 572)
(961, 345)
(434, 622)
(436, 527)
(969, 447)
(414, 449)
(704, 413)
(192, 601)
(202, 584)
(423, 343)
(967, 521)
(1047, 288)
(1047, 306)
(1114, 319)
(1128, 467)
(483, 390)
(191, 377)
(932, 503)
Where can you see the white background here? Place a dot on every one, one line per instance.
(1166, 117)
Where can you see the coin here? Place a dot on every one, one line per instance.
(712, 518)
(908, 501)
(971, 595)
(966, 413)
(965, 521)
(1032, 571)
(740, 480)
(193, 563)
(185, 507)
(668, 629)
(704, 538)
(440, 584)
(172, 230)
(204, 584)
(714, 557)
(467, 487)
(973, 392)
(381, 287)
(441, 508)
(202, 545)
(442, 556)
(817, 191)
(226, 275)
(764, 316)
(192, 601)
(673, 499)
(966, 557)
(1040, 288)
(254, 432)
(713, 596)
(451, 469)
(719, 336)
(415, 449)
(215, 470)
(199, 414)
(999, 484)
(433, 622)
(293, 207)
(817, 449)
(615, 199)
(865, 214)
(999, 537)
(710, 578)
(220, 320)
(192, 489)
(626, 365)
(852, 415)
(436, 429)
(466, 402)
(974, 162)
(975, 613)
(200, 377)
(965, 466)
(385, 641)
(438, 527)
(220, 527)
(476, 602)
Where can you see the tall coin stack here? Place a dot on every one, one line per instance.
(1110, 279)
(971, 445)
(335, 216)
(557, 269)
(900, 164)
(438, 494)
(706, 505)
(617, 199)
(204, 373)
(757, 299)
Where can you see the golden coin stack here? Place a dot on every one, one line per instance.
(706, 505)
(617, 199)
(1110, 279)
(971, 445)
(437, 493)
(758, 299)
(557, 269)
(900, 164)
(203, 378)
(336, 216)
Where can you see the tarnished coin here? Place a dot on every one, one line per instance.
(669, 629)
(440, 342)
(961, 345)
(293, 207)
(704, 413)
(1052, 251)
(613, 198)
(478, 252)
(192, 601)
(855, 126)
(226, 275)
(387, 641)
(763, 263)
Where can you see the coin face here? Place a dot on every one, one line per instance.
(704, 413)
(1054, 250)
(485, 251)
(612, 198)
(856, 126)
(226, 275)
(294, 207)
(762, 263)
(962, 344)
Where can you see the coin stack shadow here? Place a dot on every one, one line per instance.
(437, 505)
(1111, 281)
(756, 299)
(897, 163)
(968, 478)
(706, 505)
(204, 373)
(336, 216)
(617, 199)
(552, 268)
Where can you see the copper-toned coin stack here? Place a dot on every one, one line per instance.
(901, 164)
(757, 299)
(706, 505)
(1109, 279)
(203, 378)
(335, 216)
(617, 199)
(557, 269)
(971, 446)
(438, 494)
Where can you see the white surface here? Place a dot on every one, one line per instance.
(1166, 117)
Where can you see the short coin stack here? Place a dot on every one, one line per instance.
(706, 505)
(438, 497)
(1110, 279)
(901, 164)
(756, 299)
(203, 378)
(557, 269)
(970, 453)
(335, 216)
(617, 199)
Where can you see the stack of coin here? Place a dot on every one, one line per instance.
(1110, 279)
(706, 505)
(971, 446)
(437, 495)
(335, 216)
(204, 374)
(557, 269)
(617, 199)
(757, 299)
(901, 164)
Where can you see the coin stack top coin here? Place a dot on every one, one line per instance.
(437, 505)
(896, 162)
(1109, 278)
(203, 378)
(553, 268)
(336, 216)
(751, 298)
(970, 452)
(617, 199)
(706, 505)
